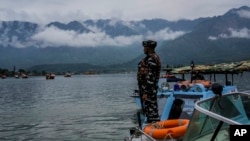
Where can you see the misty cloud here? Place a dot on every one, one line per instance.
(55, 37)
(165, 34)
(212, 38)
(13, 41)
(244, 14)
(240, 33)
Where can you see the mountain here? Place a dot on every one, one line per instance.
(23, 43)
(206, 40)
(218, 39)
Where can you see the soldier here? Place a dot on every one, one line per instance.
(148, 75)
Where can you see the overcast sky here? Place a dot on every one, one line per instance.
(45, 11)
(67, 10)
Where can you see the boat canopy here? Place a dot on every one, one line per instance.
(233, 67)
(212, 117)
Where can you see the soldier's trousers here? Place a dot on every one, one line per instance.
(151, 109)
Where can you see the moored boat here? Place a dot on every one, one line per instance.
(3, 76)
(16, 76)
(90, 73)
(213, 118)
(24, 76)
(174, 106)
(50, 76)
(67, 74)
(176, 100)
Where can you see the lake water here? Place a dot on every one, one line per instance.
(82, 107)
(79, 108)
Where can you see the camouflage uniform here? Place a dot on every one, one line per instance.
(148, 75)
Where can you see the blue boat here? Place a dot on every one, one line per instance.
(177, 102)
(167, 94)
(213, 118)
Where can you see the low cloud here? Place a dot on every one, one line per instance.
(244, 14)
(233, 33)
(55, 37)
(241, 33)
(212, 38)
(165, 34)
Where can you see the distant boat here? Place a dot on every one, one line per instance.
(90, 73)
(50, 76)
(16, 76)
(3, 76)
(67, 74)
(25, 76)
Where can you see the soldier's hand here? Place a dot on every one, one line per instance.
(144, 97)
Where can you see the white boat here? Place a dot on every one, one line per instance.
(67, 74)
(24, 76)
(3, 76)
(216, 118)
(50, 76)
(17, 76)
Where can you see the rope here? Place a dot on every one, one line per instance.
(180, 122)
(161, 126)
(158, 126)
(166, 137)
(155, 126)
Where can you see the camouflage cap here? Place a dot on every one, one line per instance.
(149, 43)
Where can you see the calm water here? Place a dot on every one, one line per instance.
(87, 108)
(80, 108)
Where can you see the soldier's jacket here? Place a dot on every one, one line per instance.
(149, 73)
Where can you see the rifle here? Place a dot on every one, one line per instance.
(141, 95)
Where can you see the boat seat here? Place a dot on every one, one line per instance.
(176, 109)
